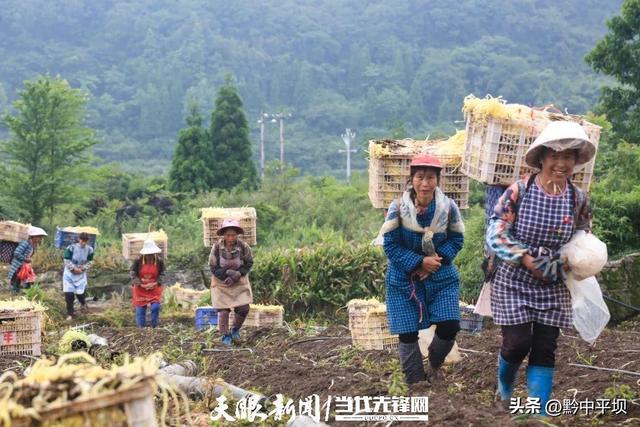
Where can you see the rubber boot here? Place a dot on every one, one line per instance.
(411, 361)
(539, 384)
(506, 378)
(438, 351)
(235, 335)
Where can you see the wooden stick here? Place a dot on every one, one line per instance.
(622, 371)
(466, 350)
(319, 339)
(214, 350)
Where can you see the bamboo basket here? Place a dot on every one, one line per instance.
(133, 407)
(495, 147)
(262, 316)
(6, 251)
(212, 219)
(132, 243)
(12, 231)
(389, 171)
(20, 332)
(369, 327)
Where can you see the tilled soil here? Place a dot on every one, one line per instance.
(298, 363)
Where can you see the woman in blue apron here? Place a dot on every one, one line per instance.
(423, 233)
(532, 220)
(77, 261)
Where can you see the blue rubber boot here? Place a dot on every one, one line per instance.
(235, 335)
(506, 378)
(539, 384)
(226, 339)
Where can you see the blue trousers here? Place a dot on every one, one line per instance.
(141, 315)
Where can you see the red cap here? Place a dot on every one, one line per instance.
(426, 160)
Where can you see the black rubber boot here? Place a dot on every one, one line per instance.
(438, 351)
(411, 361)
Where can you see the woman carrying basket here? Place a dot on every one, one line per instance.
(532, 220)
(423, 233)
(230, 261)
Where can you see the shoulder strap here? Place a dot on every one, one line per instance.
(522, 190)
(398, 201)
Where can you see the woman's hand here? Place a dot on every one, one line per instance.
(431, 263)
(527, 261)
(420, 273)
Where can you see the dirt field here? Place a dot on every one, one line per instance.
(305, 361)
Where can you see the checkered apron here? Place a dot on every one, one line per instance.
(516, 296)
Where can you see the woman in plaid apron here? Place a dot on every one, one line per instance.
(423, 233)
(532, 220)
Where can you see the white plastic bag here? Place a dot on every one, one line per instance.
(483, 305)
(585, 254)
(590, 313)
(425, 336)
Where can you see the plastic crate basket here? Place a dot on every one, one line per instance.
(389, 173)
(495, 148)
(68, 236)
(262, 316)
(20, 333)
(206, 317)
(369, 327)
(212, 219)
(469, 321)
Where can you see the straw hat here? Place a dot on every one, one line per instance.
(559, 136)
(149, 247)
(36, 231)
(230, 223)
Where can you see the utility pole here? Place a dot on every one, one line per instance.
(273, 118)
(282, 141)
(348, 136)
(261, 122)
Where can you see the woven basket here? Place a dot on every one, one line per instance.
(12, 231)
(132, 243)
(495, 148)
(261, 316)
(20, 332)
(6, 251)
(389, 173)
(212, 219)
(369, 327)
(133, 407)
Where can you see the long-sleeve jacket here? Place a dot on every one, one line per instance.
(240, 249)
(23, 251)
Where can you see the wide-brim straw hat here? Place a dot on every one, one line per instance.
(36, 231)
(149, 247)
(559, 136)
(230, 223)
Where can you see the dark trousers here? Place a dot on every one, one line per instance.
(16, 285)
(240, 314)
(534, 339)
(445, 330)
(69, 297)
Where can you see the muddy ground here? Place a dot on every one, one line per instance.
(302, 361)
